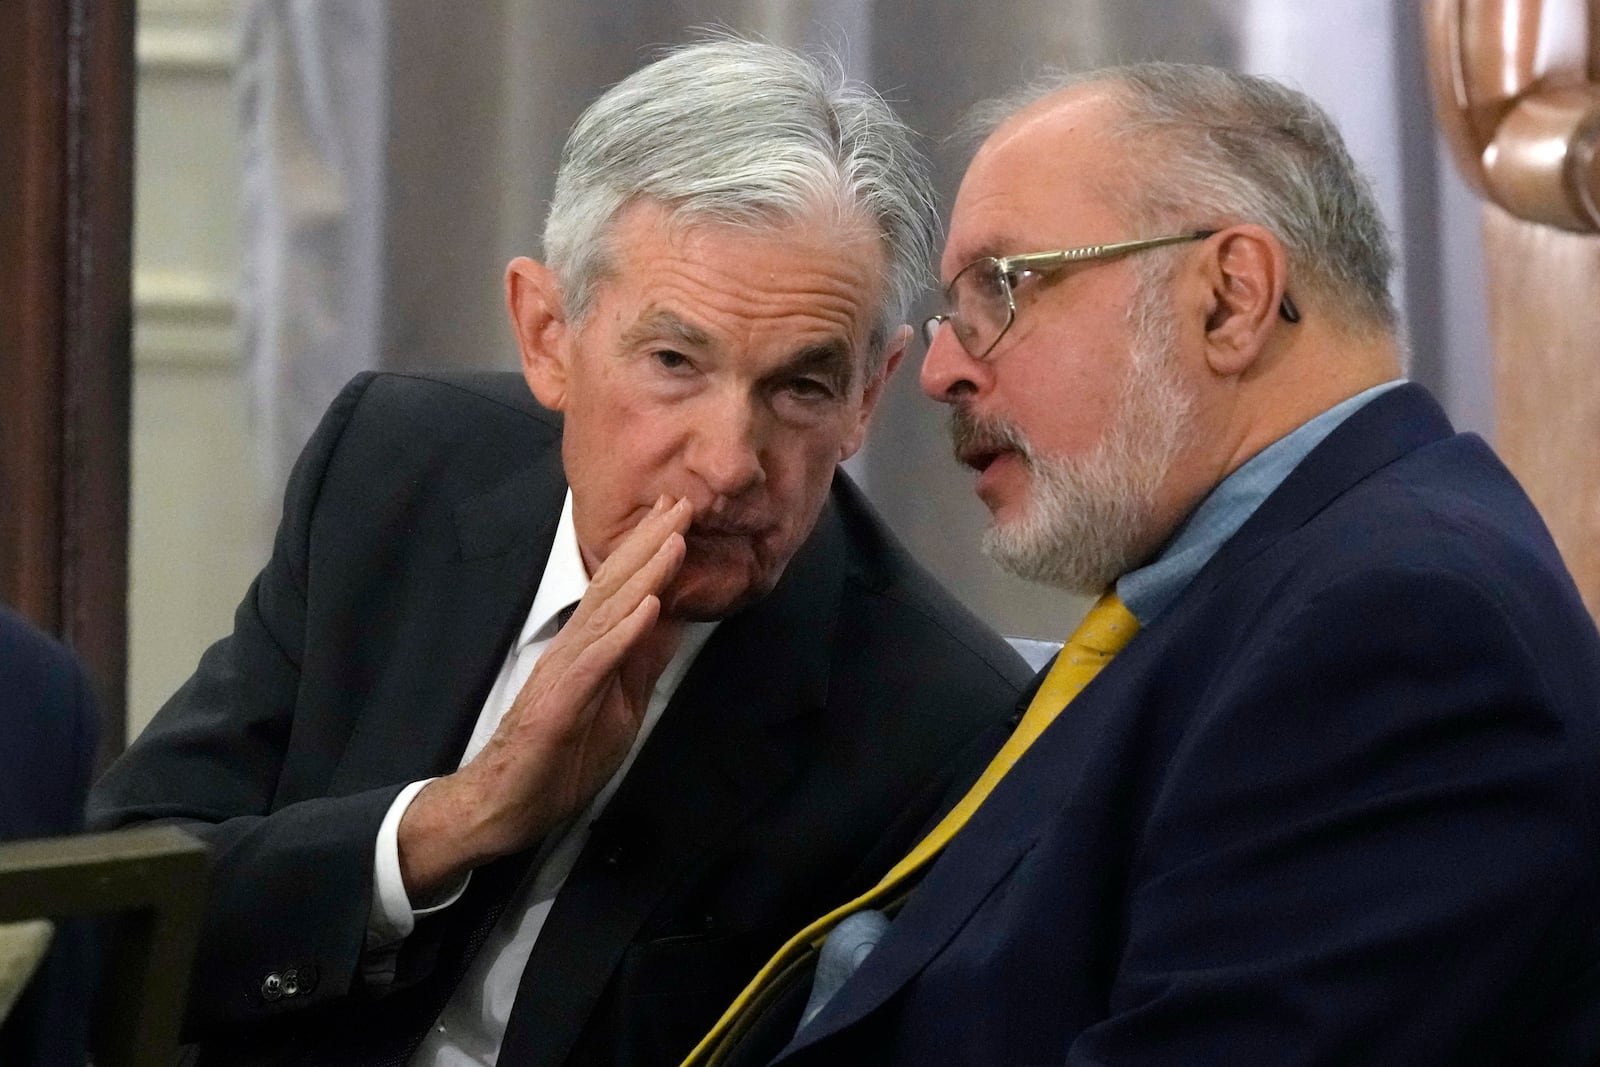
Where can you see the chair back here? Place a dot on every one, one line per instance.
(148, 884)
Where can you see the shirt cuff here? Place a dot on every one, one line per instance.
(392, 917)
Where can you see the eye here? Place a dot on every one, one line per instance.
(810, 388)
(987, 280)
(802, 400)
(671, 360)
(966, 332)
(1019, 277)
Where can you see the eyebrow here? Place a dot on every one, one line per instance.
(833, 358)
(990, 249)
(661, 323)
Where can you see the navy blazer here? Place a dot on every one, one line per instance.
(1337, 806)
(812, 735)
(48, 730)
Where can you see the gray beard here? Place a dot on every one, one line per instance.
(1091, 519)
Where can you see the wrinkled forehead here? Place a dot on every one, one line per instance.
(678, 221)
(796, 251)
(846, 235)
(696, 279)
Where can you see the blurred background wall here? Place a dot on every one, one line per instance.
(329, 185)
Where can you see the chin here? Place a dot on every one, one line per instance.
(708, 597)
(718, 577)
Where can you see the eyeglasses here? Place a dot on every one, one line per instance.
(980, 301)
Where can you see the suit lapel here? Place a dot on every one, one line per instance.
(1002, 831)
(477, 600)
(977, 860)
(1392, 425)
(731, 737)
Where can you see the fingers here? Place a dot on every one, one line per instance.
(635, 550)
(619, 609)
(642, 563)
(579, 709)
(598, 662)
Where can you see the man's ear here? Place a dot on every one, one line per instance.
(533, 299)
(1246, 272)
(872, 391)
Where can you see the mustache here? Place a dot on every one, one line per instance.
(972, 434)
(719, 523)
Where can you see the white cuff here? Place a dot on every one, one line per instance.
(392, 917)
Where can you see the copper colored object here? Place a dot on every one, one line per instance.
(1544, 323)
(1517, 90)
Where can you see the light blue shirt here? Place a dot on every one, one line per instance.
(1151, 589)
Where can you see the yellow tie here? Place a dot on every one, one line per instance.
(1108, 626)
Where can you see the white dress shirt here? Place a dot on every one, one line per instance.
(469, 1029)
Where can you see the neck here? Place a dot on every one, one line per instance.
(1291, 383)
(1304, 376)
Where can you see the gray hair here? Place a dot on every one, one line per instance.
(746, 134)
(1222, 147)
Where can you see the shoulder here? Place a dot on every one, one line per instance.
(466, 390)
(1393, 491)
(426, 407)
(403, 434)
(397, 454)
(36, 671)
(50, 726)
(1426, 597)
(1448, 515)
(1429, 573)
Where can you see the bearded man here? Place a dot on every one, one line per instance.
(1315, 781)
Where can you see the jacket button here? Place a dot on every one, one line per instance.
(291, 983)
(272, 986)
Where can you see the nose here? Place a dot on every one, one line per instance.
(726, 450)
(948, 373)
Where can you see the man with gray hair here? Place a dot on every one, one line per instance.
(1325, 792)
(546, 720)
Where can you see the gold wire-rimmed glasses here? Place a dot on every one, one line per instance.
(980, 301)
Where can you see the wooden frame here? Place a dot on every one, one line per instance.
(66, 180)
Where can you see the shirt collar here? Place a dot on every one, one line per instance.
(565, 581)
(1149, 590)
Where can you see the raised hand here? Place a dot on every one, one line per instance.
(570, 725)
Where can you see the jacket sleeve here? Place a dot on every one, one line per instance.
(290, 885)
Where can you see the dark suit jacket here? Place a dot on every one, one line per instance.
(48, 729)
(814, 733)
(1337, 806)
